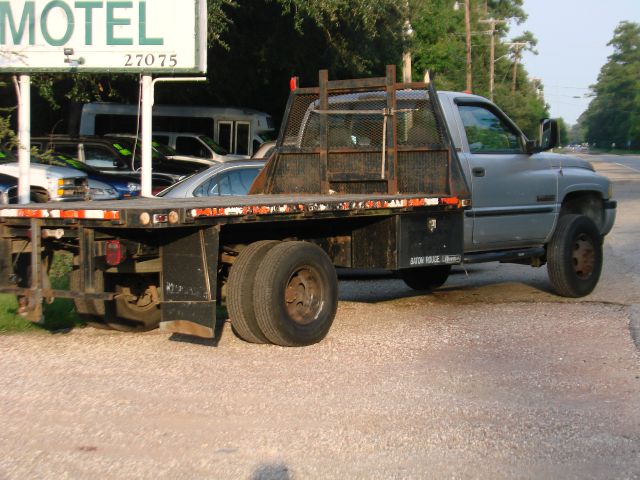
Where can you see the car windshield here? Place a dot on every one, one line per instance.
(162, 149)
(63, 160)
(210, 142)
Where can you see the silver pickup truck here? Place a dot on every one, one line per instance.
(528, 205)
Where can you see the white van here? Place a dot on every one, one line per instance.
(238, 130)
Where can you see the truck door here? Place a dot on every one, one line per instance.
(514, 194)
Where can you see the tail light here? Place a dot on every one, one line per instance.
(115, 252)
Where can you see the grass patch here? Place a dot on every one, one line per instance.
(59, 315)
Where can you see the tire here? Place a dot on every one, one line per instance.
(426, 278)
(574, 256)
(240, 291)
(90, 312)
(134, 309)
(296, 294)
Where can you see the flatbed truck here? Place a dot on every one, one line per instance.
(364, 175)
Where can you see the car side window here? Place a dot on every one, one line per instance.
(70, 150)
(190, 146)
(488, 133)
(163, 139)
(234, 182)
(100, 157)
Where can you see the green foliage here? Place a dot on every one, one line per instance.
(255, 47)
(58, 316)
(439, 46)
(613, 115)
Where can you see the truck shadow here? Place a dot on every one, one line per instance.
(475, 284)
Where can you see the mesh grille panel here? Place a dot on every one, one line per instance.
(297, 173)
(362, 135)
(422, 172)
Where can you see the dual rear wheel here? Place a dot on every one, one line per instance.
(285, 293)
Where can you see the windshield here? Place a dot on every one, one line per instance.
(162, 149)
(63, 160)
(210, 142)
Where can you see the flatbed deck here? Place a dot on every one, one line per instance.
(178, 212)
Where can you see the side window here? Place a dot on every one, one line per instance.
(101, 158)
(488, 133)
(242, 138)
(234, 182)
(69, 150)
(190, 146)
(224, 135)
(163, 139)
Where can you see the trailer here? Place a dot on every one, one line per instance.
(364, 175)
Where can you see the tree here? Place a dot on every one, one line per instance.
(613, 116)
(439, 46)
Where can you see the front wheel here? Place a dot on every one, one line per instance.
(296, 294)
(574, 256)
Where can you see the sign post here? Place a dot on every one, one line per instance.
(24, 138)
(146, 37)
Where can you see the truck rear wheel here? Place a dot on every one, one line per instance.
(240, 291)
(297, 295)
(90, 312)
(574, 256)
(427, 278)
(136, 308)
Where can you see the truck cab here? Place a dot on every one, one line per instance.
(518, 190)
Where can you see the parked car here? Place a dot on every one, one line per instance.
(196, 144)
(9, 191)
(231, 178)
(265, 150)
(158, 148)
(115, 155)
(60, 183)
(125, 186)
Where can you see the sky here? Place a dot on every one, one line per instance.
(572, 47)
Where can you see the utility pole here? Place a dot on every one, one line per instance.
(492, 22)
(407, 33)
(517, 52)
(467, 26)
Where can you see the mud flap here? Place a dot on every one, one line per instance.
(189, 283)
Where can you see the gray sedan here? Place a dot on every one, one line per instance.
(229, 178)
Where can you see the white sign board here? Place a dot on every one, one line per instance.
(148, 36)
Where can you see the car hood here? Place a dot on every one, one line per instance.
(38, 170)
(567, 161)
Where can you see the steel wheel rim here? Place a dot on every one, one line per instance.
(303, 295)
(583, 257)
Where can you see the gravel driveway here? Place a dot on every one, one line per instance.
(416, 387)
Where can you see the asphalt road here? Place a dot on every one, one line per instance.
(490, 377)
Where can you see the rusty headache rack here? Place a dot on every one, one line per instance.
(367, 136)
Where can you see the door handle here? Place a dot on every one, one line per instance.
(478, 172)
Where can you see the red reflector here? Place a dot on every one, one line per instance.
(293, 83)
(115, 253)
